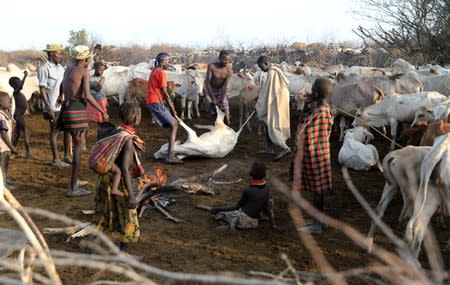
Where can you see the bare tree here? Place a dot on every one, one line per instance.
(417, 29)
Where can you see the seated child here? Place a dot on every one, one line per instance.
(255, 200)
(105, 129)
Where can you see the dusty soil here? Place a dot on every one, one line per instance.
(196, 245)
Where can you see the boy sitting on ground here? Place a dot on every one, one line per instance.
(255, 200)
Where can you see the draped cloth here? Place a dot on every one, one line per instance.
(105, 152)
(272, 106)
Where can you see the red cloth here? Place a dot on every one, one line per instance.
(316, 166)
(156, 81)
(93, 114)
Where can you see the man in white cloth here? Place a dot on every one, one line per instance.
(272, 107)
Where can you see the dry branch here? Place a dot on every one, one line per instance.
(165, 213)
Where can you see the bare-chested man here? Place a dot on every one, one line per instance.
(74, 116)
(216, 81)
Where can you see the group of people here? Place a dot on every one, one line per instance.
(72, 98)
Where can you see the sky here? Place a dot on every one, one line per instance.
(194, 23)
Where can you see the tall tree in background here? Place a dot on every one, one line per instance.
(418, 29)
(80, 37)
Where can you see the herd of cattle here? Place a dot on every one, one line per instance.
(379, 97)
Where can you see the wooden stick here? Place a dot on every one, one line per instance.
(165, 213)
(226, 182)
(67, 230)
(201, 176)
(203, 207)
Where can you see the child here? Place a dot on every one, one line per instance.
(6, 147)
(106, 129)
(19, 113)
(316, 163)
(96, 83)
(255, 199)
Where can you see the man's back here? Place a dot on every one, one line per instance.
(72, 83)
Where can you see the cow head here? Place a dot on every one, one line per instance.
(359, 120)
(360, 134)
(423, 114)
(195, 81)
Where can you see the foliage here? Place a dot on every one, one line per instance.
(416, 29)
(80, 37)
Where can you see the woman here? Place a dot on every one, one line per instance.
(96, 84)
(116, 213)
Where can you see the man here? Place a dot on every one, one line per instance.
(50, 76)
(216, 81)
(272, 107)
(74, 116)
(160, 105)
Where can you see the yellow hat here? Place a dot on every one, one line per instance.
(54, 47)
(80, 52)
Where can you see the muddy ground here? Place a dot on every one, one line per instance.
(195, 245)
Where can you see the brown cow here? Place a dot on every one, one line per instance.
(434, 129)
(413, 135)
(138, 89)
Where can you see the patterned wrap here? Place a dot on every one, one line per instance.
(316, 166)
(74, 117)
(111, 212)
(105, 152)
(223, 105)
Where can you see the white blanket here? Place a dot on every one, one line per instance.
(272, 106)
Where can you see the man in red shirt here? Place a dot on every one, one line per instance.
(157, 95)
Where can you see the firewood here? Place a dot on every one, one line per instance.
(166, 214)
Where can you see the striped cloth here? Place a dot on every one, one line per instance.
(74, 117)
(105, 151)
(316, 164)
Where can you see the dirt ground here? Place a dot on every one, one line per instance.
(195, 245)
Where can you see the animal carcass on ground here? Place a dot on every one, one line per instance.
(433, 191)
(401, 169)
(356, 153)
(396, 108)
(217, 143)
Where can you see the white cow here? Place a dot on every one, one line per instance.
(31, 82)
(433, 191)
(190, 88)
(242, 85)
(116, 82)
(356, 152)
(401, 66)
(217, 143)
(401, 169)
(438, 83)
(395, 109)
